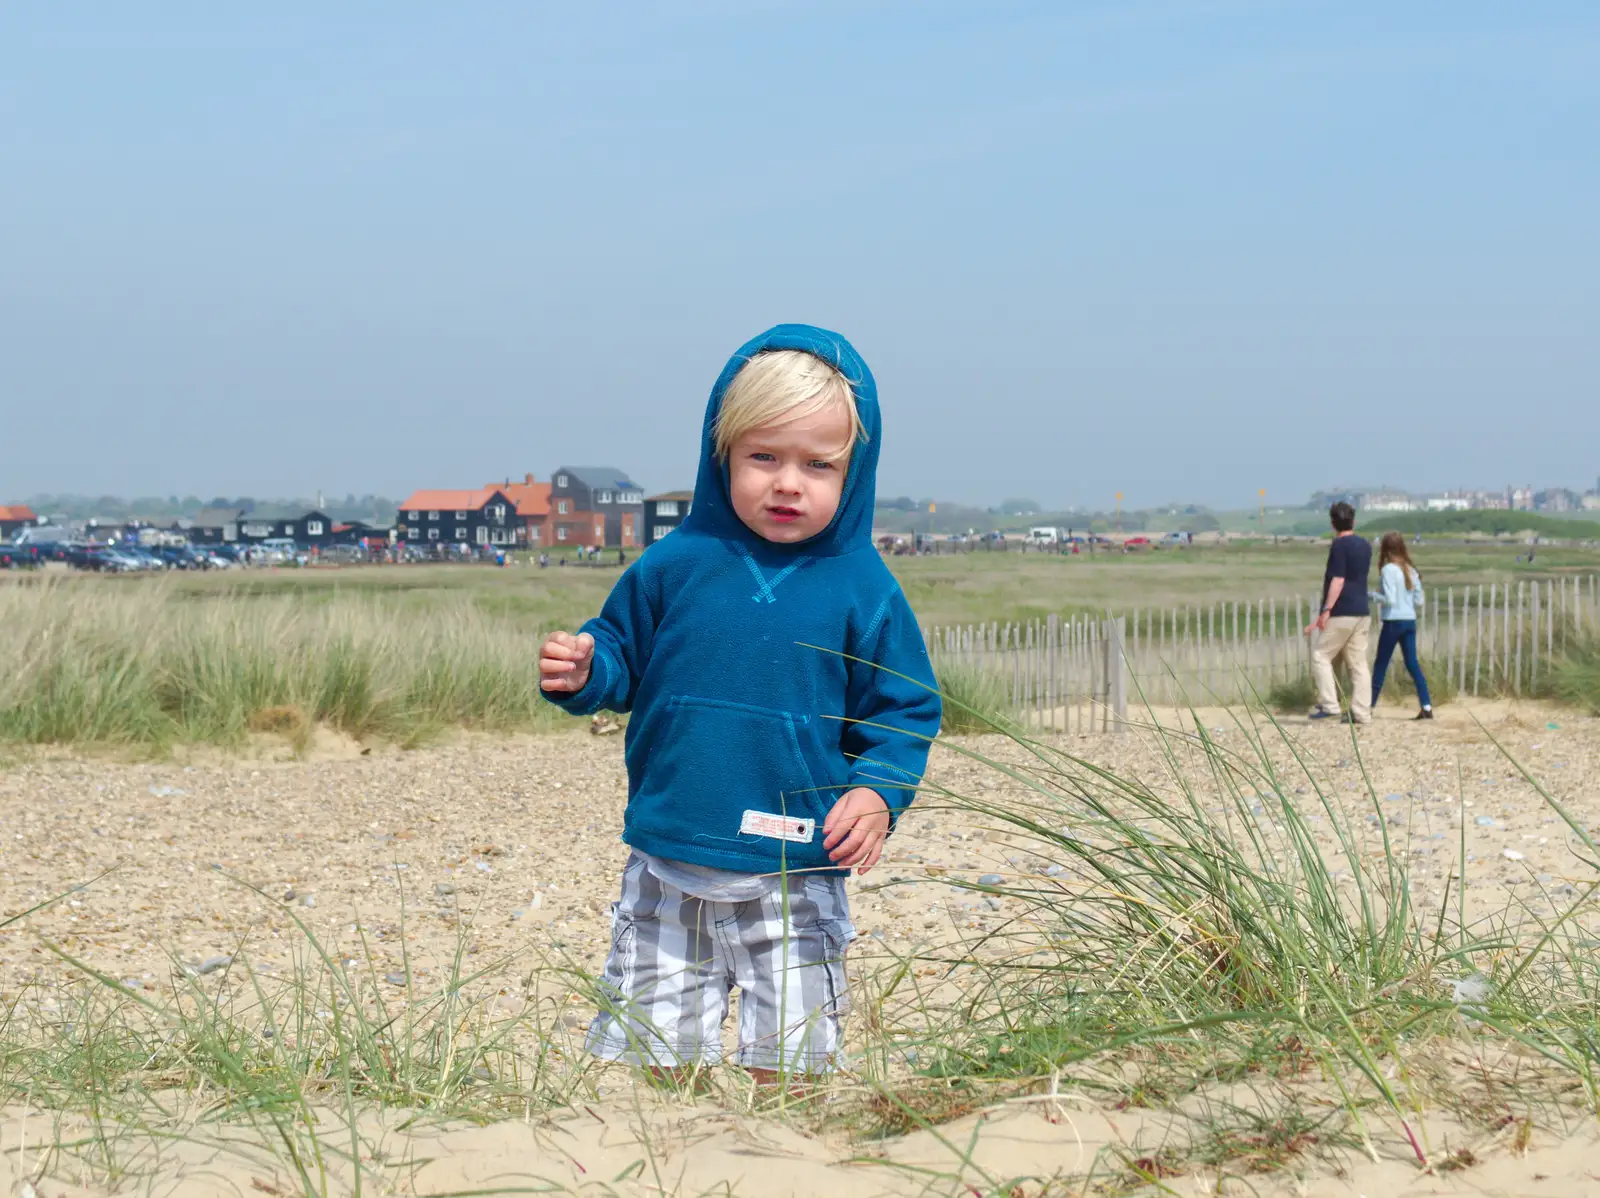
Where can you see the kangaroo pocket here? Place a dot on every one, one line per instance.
(719, 760)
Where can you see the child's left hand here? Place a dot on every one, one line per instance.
(854, 832)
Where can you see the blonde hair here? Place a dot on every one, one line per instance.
(781, 386)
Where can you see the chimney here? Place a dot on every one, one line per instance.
(529, 480)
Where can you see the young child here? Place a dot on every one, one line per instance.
(783, 708)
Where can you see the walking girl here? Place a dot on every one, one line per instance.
(1400, 598)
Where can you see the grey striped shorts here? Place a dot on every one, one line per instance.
(675, 959)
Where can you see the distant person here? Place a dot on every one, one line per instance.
(1341, 627)
(1400, 598)
(733, 644)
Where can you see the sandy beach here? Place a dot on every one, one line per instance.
(507, 853)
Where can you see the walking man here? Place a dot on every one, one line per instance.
(1341, 626)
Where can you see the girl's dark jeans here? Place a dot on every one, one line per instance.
(1404, 634)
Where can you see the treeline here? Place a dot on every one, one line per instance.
(1486, 522)
(172, 507)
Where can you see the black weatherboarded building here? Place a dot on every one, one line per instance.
(664, 512)
(303, 526)
(477, 519)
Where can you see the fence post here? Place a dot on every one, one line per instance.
(1116, 674)
(1550, 619)
(1533, 643)
(1477, 648)
(1450, 643)
(1516, 685)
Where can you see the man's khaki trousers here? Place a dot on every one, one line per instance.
(1346, 637)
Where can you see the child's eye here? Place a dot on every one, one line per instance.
(820, 464)
(762, 457)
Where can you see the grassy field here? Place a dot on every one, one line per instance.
(949, 588)
(401, 653)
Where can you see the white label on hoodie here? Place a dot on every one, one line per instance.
(778, 827)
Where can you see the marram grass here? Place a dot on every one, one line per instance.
(99, 663)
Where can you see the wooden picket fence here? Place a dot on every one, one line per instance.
(1076, 673)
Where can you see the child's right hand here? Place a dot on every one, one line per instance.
(564, 661)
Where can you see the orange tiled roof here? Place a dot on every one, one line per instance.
(441, 501)
(531, 498)
(21, 511)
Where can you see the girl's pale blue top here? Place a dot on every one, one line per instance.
(1399, 601)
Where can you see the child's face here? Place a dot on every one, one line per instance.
(783, 484)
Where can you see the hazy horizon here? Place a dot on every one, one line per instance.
(1177, 250)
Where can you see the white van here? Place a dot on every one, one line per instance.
(1044, 536)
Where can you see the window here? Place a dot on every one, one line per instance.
(461, 534)
(413, 516)
(483, 534)
(288, 530)
(498, 511)
(661, 530)
(563, 506)
(600, 530)
(561, 533)
(667, 507)
(602, 497)
(632, 497)
(461, 515)
(561, 480)
(433, 534)
(433, 515)
(313, 528)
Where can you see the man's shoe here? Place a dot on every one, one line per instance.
(1319, 714)
(1425, 714)
(1349, 718)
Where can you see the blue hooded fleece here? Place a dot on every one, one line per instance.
(765, 680)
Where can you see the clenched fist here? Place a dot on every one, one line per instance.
(564, 661)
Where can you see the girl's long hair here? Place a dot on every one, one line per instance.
(1392, 548)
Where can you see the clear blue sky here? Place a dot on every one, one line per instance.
(1178, 249)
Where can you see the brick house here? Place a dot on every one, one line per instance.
(477, 518)
(14, 518)
(532, 501)
(595, 505)
(664, 512)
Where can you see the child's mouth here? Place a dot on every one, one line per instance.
(784, 515)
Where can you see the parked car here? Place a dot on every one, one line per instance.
(1136, 542)
(115, 560)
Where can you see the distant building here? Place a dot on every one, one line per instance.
(482, 517)
(1591, 501)
(369, 534)
(14, 518)
(596, 506)
(1519, 499)
(664, 512)
(1557, 499)
(1449, 502)
(1385, 501)
(214, 525)
(303, 526)
(532, 501)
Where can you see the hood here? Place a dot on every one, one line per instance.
(851, 527)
